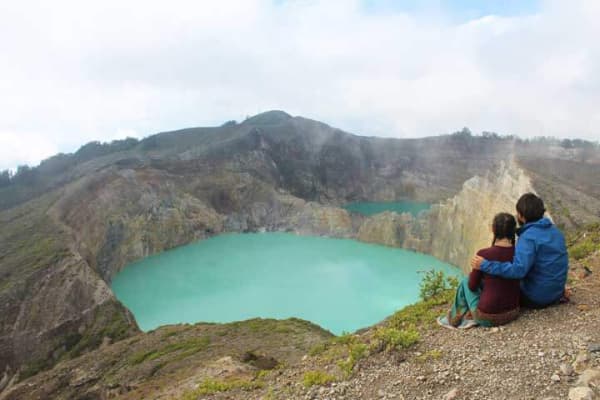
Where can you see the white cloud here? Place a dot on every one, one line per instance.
(25, 148)
(76, 71)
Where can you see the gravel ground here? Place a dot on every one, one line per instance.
(539, 356)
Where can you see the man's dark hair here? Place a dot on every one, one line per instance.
(530, 207)
(504, 227)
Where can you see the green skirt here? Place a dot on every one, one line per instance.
(465, 306)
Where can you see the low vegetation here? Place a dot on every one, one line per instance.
(390, 339)
(436, 283)
(584, 241)
(185, 348)
(429, 356)
(312, 378)
(356, 351)
(399, 332)
(436, 290)
(31, 240)
(210, 386)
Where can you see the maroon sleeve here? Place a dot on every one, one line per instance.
(476, 275)
(475, 279)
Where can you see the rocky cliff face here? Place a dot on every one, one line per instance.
(454, 229)
(53, 305)
(458, 227)
(118, 217)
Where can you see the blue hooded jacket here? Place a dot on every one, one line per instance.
(541, 262)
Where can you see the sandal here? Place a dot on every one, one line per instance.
(467, 323)
(443, 321)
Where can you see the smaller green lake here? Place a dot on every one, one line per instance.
(340, 284)
(372, 208)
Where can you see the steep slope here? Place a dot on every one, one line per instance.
(53, 305)
(170, 359)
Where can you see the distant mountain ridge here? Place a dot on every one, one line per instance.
(29, 182)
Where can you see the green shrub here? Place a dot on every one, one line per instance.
(347, 366)
(210, 386)
(312, 378)
(396, 339)
(344, 350)
(356, 352)
(435, 283)
(345, 338)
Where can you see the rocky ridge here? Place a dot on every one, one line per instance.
(453, 230)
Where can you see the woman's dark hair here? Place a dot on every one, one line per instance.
(530, 207)
(504, 227)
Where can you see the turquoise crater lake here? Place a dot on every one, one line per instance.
(340, 284)
(372, 208)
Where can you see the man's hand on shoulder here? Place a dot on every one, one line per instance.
(476, 262)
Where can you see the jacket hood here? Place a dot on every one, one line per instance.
(543, 223)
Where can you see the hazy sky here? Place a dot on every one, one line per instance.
(75, 71)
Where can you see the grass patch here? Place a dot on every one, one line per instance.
(583, 249)
(421, 313)
(345, 338)
(345, 351)
(584, 242)
(283, 329)
(211, 386)
(429, 355)
(174, 330)
(263, 373)
(436, 290)
(33, 368)
(30, 240)
(389, 339)
(270, 395)
(186, 348)
(312, 378)
(109, 321)
(356, 352)
(268, 326)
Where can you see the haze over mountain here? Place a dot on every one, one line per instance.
(109, 70)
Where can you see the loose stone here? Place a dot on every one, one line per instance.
(566, 369)
(589, 377)
(581, 393)
(451, 395)
(594, 347)
(581, 362)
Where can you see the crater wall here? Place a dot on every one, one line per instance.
(453, 230)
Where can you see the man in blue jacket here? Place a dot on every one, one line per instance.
(540, 261)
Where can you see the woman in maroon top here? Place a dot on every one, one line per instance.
(485, 299)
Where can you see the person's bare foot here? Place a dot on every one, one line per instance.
(566, 297)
